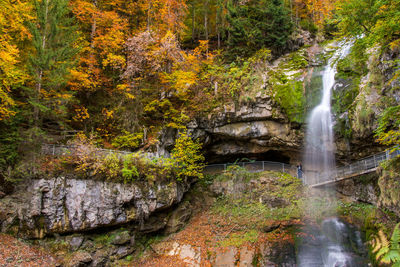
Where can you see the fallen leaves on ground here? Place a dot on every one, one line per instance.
(14, 252)
(206, 231)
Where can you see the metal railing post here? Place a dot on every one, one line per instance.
(54, 149)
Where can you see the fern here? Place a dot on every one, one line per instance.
(387, 251)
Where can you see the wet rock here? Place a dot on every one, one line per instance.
(79, 259)
(178, 218)
(121, 238)
(364, 188)
(278, 254)
(2, 194)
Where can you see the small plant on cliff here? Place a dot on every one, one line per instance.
(387, 251)
(388, 132)
(128, 140)
(129, 171)
(187, 156)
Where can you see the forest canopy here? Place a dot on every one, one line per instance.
(123, 70)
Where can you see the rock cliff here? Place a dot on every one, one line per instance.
(66, 205)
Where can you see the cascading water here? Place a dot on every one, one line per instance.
(332, 243)
(320, 148)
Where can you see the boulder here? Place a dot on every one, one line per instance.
(101, 257)
(246, 257)
(78, 259)
(227, 257)
(121, 238)
(122, 252)
(75, 242)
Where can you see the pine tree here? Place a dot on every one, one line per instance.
(257, 24)
(53, 41)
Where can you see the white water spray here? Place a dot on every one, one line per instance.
(320, 148)
(327, 248)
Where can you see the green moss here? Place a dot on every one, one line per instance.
(248, 210)
(238, 239)
(289, 94)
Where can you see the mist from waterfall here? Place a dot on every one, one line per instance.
(319, 160)
(327, 244)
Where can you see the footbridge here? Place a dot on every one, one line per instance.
(357, 168)
(312, 179)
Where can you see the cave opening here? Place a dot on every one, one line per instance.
(272, 155)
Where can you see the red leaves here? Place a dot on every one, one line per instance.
(16, 253)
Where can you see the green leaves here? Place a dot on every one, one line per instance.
(388, 252)
(388, 132)
(53, 39)
(255, 25)
(187, 157)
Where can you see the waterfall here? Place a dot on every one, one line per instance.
(328, 246)
(320, 148)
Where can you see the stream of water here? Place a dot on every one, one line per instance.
(334, 243)
(320, 148)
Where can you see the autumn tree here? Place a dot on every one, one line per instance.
(13, 33)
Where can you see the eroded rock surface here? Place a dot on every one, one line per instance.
(61, 205)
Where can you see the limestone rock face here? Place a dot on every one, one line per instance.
(249, 129)
(364, 188)
(61, 205)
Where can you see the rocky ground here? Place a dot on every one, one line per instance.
(14, 252)
(211, 240)
(237, 219)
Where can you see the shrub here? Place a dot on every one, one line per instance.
(187, 157)
(129, 171)
(128, 140)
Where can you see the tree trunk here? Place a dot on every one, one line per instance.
(36, 111)
(94, 25)
(193, 23)
(217, 28)
(148, 16)
(206, 19)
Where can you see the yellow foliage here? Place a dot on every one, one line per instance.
(81, 114)
(13, 15)
(109, 114)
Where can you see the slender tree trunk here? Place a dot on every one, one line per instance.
(193, 23)
(148, 16)
(39, 71)
(206, 19)
(94, 26)
(291, 9)
(217, 28)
